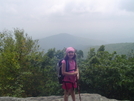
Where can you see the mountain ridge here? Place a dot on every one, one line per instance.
(63, 40)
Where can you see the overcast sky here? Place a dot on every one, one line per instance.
(108, 20)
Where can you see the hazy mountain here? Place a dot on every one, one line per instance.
(63, 40)
(120, 48)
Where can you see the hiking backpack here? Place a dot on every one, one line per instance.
(59, 70)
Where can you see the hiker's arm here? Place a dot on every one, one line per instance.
(67, 73)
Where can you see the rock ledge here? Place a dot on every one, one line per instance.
(84, 97)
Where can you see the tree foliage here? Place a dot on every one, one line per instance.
(25, 70)
(107, 74)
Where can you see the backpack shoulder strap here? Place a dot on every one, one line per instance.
(67, 65)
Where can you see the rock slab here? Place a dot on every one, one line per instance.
(84, 97)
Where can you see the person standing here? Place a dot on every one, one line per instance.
(70, 77)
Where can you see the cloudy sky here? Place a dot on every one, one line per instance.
(108, 20)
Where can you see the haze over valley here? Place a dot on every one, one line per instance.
(61, 41)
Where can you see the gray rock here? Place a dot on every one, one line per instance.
(84, 97)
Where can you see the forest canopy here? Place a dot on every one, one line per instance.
(26, 70)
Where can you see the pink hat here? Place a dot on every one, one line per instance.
(70, 49)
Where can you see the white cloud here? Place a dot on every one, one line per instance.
(48, 7)
(71, 16)
(127, 5)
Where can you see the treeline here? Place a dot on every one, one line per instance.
(120, 48)
(26, 70)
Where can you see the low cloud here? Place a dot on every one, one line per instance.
(102, 18)
(127, 5)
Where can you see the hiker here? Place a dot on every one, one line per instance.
(70, 78)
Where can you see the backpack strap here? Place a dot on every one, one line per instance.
(67, 65)
(75, 65)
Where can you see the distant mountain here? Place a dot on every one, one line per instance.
(64, 40)
(120, 48)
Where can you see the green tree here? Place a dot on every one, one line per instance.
(9, 66)
(101, 48)
(80, 54)
(59, 54)
(108, 74)
(19, 62)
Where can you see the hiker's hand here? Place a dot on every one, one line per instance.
(75, 73)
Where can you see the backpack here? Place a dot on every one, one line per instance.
(59, 70)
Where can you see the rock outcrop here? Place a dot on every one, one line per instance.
(84, 97)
